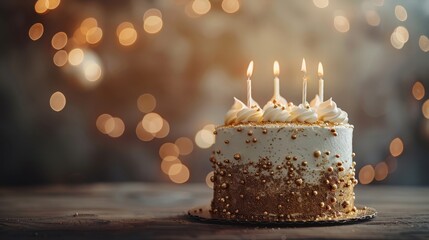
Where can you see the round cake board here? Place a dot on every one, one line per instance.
(362, 214)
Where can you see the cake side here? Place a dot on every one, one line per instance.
(283, 170)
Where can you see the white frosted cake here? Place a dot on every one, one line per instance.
(283, 162)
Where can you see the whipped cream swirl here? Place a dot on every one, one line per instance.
(276, 112)
(329, 112)
(231, 115)
(252, 114)
(303, 114)
(315, 102)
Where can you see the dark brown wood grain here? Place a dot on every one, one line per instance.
(158, 211)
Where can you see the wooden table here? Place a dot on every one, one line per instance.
(157, 211)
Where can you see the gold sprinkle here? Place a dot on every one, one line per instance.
(335, 134)
(288, 157)
(293, 136)
(241, 196)
(322, 204)
(247, 141)
(298, 182)
(224, 185)
(254, 140)
(337, 155)
(237, 156)
(304, 163)
(330, 169)
(214, 132)
(332, 199)
(317, 154)
(279, 206)
(339, 164)
(333, 130)
(353, 154)
(295, 158)
(212, 179)
(242, 181)
(345, 204)
(226, 141)
(257, 198)
(340, 169)
(250, 133)
(239, 129)
(334, 186)
(264, 131)
(315, 193)
(265, 213)
(327, 152)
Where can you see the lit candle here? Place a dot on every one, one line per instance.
(249, 84)
(321, 81)
(304, 83)
(276, 70)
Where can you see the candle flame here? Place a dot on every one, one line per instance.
(303, 66)
(320, 70)
(276, 68)
(250, 69)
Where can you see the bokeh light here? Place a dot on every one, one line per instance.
(401, 34)
(208, 179)
(60, 58)
(168, 149)
(142, 134)
(401, 13)
(381, 171)
(341, 24)
(153, 24)
(418, 91)
(366, 174)
(424, 43)
(204, 138)
(76, 56)
(127, 35)
(201, 7)
(182, 176)
(185, 145)
(36, 31)
(425, 109)
(396, 147)
(118, 127)
(372, 18)
(146, 103)
(230, 6)
(167, 162)
(94, 35)
(59, 40)
(52, 4)
(321, 3)
(164, 131)
(57, 101)
(92, 71)
(41, 6)
(86, 24)
(101, 122)
(152, 122)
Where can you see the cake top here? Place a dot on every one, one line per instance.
(278, 110)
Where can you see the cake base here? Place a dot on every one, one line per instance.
(203, 214)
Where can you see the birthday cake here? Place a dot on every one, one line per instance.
(283, 162)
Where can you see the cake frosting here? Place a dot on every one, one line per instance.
(283, 162)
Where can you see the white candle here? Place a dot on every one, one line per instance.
(249, 84)
(321, 81)
(304, 83)
(276, 70)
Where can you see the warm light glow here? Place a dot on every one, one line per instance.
(366, 174)
(168, 149)
(402, 34)
(52, 4)
(230, 6)
(164, 131)
(36, 31)
(94, 35)
(119, 128)
(276, 68)
(425, 109)
(396, 147)
(152, 122)
(175, 169)
(123, 26)
(424, 43)
(92, 71)
(303, 66)
(381, 171)
(321, 3)
(60, 58)
(146, 103)
(401, 13)
(204, 138)
(59, 40)
(250, 69)
(101, 123)
(341, 24)
(41, 6)
(109, 125)
(143, 134)
(320, 70)
(152, 12)
(182, 176)
(127, 36)
(209, 182)
(372, 18)
(185, 145)
(418, 91)
(153, 24)
(201, 7)
(167, 162)
(87, 24)
(57, 101)
(76, 56)
(395, 42)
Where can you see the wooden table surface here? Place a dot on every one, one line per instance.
(158, 211)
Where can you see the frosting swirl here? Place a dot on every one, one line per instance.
(303, 114)
(328, 111)
(276, 112)
(252, 114)
(231, 115)
(315, 102)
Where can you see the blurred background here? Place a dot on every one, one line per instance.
(131, 90)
